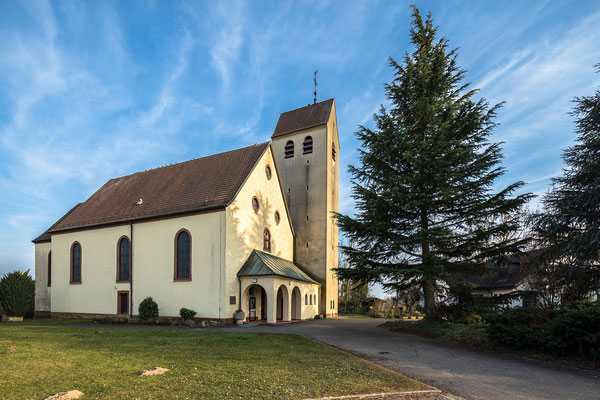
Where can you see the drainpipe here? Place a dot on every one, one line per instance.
(131, 270)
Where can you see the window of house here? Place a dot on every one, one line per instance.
(255, 204)
(76, 263)
(307, 146)
(123, 259)
(183, 256)
(289, 149)
(503, 272)
(305, 299)
(49, 269)
(333, 152)
(267, 240)
(277, 217)
(310, 299)
(268, 171)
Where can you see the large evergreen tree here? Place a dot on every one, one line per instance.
(425, 206)
(568, 228)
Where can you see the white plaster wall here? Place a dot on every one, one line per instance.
(153, 266)
(245, 227)
(42, 291)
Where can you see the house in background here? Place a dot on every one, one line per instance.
(248, 229)
(506, 278)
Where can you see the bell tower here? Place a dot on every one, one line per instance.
(306, 149)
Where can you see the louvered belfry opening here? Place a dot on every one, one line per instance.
(289, 149)
(307, 146)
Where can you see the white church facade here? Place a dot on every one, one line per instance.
(248, 229)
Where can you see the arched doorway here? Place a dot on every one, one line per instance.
(282, 304)
(296, 304)
(255, 303)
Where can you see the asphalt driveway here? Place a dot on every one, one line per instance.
(462, 372)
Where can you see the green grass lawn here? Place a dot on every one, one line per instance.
(38, 361)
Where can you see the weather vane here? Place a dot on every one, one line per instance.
(315, 79)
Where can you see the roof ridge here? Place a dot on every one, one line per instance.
(190, 160)
(309, 105)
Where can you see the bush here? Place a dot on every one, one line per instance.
(571, 330)
(187, 314)
(148, 310)
(17, 293)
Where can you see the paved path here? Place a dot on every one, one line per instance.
(462, 372)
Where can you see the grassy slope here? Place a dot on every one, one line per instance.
(38, 361)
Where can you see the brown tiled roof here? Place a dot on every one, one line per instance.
(303, 118)
(201, 184)
(45, 237)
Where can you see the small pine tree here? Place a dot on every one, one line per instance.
(425, 208)
(568, 228)
(17, 293)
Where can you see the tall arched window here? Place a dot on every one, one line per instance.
(267, 240)
(289, 149)
(310, 299)
(123, 260)
(183, 256)
(76, 263)
(49, 269)
(307, 146)
(305, 299)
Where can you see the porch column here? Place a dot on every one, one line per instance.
(271, 304)
(287, 303)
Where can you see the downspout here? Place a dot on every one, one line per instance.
(131, 270)
(239, 294)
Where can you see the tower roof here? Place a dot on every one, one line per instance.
(303, 118)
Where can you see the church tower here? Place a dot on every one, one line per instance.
(306, 149)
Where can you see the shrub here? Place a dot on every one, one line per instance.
(17, 293)
(187, 314)
(148, 310)
(571, 330)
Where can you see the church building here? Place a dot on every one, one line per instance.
(250, 229)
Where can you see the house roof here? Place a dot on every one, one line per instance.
(206, 183)
(261, 263)
(303, 118)
(45, 237)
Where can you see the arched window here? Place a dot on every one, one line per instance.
(123, 260)
(267, 240)
(49, 269)
(268, 171)
(76, 263)
(289, 149)
(305, 299)
(307, 145)
(310, 299)
(255, 204)
(183, 256)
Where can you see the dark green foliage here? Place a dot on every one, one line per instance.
(568, 228)
(571, 330)
(17, 293)
(148, 310)
(187, 314)
(352, 296)
(423, 189)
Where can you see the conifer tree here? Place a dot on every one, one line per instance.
(423, 189)
(568, 228)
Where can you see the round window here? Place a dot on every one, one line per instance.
(277, 217)
(268, 171)
(255, 204)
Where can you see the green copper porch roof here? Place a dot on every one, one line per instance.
(261, 263)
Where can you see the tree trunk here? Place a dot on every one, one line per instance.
(429, 298)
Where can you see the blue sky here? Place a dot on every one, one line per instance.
(94, 90)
